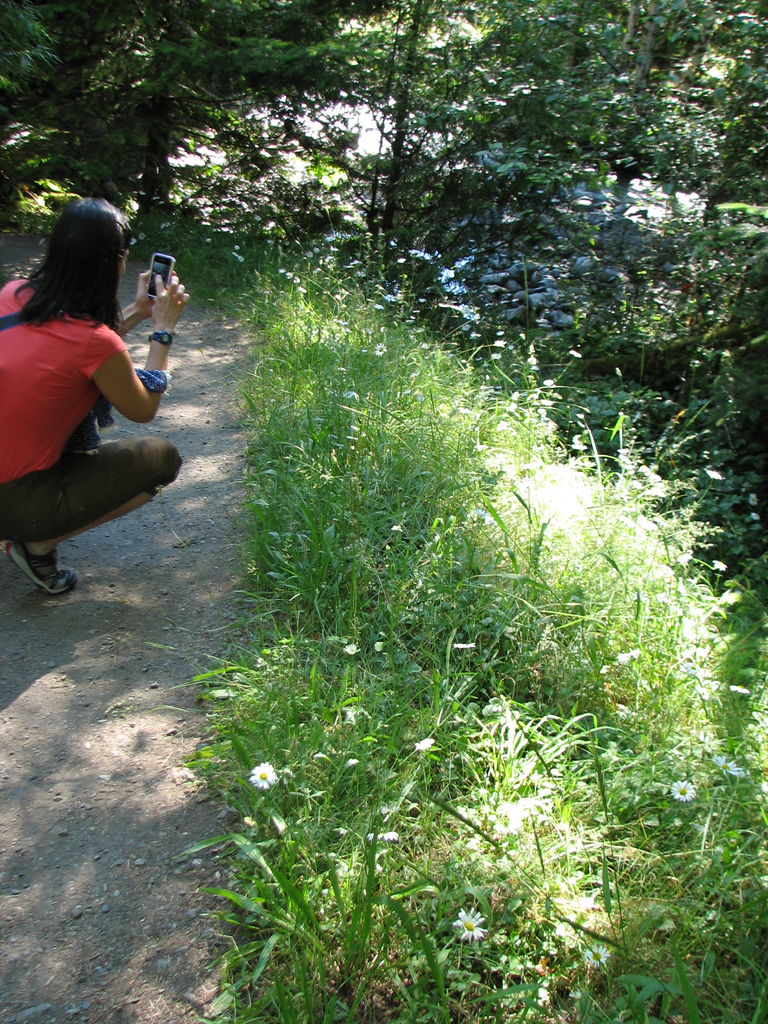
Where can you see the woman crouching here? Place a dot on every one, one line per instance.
(62, 354)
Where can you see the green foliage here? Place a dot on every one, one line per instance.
(474, 676)
(23, 45)
(134, 86)
(482, 106)
(743, 94)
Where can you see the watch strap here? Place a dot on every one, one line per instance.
(163, 337)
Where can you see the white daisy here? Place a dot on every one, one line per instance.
(470, 927)
(683, 791)
(597, 955)
(263, 776)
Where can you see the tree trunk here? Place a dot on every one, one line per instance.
(634, 15)
(645, 56)
(156, 176)
(403, 78)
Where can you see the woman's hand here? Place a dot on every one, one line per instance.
(141, 308)
(142, 303)
(168, 307)
(169, 304)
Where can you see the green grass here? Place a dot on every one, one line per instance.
(479, 668)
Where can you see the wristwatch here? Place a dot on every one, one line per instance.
(164, 337)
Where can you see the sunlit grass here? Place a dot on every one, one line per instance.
(482, 683)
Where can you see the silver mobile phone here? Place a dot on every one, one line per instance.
(163, 265)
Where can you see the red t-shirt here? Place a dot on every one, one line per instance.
(46, 388)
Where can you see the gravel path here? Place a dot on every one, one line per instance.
(102, 917)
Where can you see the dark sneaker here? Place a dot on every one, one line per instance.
(43, 570)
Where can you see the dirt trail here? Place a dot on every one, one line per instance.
(100, 921)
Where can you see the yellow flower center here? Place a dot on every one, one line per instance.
(469, 925)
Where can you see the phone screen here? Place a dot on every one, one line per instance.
(163, 265)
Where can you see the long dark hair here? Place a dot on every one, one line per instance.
(81, 270)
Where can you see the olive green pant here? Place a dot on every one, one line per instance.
(82, 488)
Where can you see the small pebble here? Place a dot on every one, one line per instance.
(33, 1011)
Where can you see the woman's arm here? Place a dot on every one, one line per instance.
(116, 379)
(140, 309)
